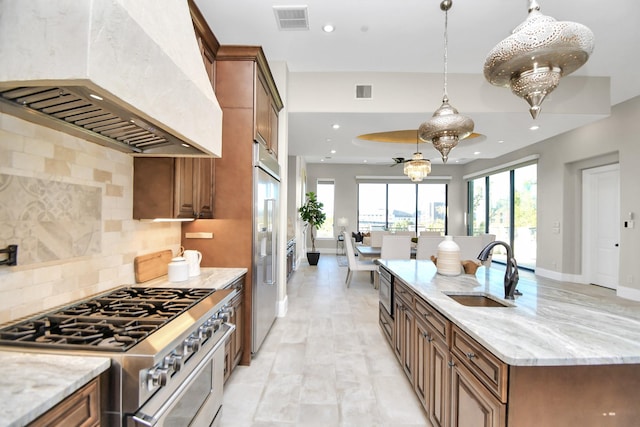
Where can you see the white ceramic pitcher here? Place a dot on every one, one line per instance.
(193, 258)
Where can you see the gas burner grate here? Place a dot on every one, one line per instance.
(114, 321)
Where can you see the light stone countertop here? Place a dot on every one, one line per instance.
(552, 323)
(210, 277)
(32, 383)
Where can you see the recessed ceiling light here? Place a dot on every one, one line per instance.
(501, 141)
(328, 139)
(364, 161)
(336, 126)
(328, 28)
(475, 153)
(333, 151)
(322, 160)
(534, 127)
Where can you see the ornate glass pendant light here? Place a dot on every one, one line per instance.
(418, 167)
(446, 127)
(537, 53)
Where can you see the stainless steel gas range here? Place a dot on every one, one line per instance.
(166, 347)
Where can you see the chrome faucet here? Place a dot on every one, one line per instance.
(511, 274)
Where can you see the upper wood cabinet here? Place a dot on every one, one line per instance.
(244, 80)
(173, 187)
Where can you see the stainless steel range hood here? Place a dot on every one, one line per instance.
(122, 73)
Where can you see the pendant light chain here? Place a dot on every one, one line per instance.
(446, 46)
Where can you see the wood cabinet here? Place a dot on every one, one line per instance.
(234, 347)
(81, 409)
(404, 327)
(166, 187)
(472, 404)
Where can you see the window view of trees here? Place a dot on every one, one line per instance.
(509, 201)
(402, 206)
(326, 195)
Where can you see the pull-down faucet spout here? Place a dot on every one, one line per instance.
(511, 274)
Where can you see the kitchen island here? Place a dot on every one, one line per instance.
(34, 382)
(560, 354)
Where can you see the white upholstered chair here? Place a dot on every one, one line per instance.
(376, 237)
(357, 265)
(395, 247)
(427, 246)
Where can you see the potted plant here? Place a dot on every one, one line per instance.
(311, 212)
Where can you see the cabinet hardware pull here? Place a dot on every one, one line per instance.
(471, 355)
(426, 314)
(451, 364)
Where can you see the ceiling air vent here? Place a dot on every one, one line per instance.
(291, 17)
(363, 91)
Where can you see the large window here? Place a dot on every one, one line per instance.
(326, 191)
(505, 204)
(402, 206)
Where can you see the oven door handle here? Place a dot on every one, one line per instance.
(142, 419)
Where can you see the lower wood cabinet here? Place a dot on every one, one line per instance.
(234, 346)
(472, 404)
(81, 409)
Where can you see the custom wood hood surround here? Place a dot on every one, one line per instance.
(124, 74)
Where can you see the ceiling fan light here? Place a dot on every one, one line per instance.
(417, 168)
(537, 53)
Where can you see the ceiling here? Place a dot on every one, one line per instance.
(399, 40)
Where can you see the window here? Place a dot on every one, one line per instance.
(325, 191)
(402, 206)
(505, 204)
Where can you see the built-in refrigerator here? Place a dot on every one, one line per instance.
(266, 188)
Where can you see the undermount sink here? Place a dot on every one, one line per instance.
(477, 300)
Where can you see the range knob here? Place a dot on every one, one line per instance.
(172, 361)
(191, 345)
(206, 330)
(157, 377)
(225, 314)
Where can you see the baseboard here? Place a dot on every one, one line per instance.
(628, 293)
(559, 276)
(283, 306)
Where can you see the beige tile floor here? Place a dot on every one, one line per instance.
(326, 363)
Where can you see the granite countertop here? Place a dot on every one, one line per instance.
(33, 383)
(552, 323)
(210, 277)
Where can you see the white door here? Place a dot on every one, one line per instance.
(601, 225)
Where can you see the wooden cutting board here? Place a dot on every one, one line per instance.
(150, 266)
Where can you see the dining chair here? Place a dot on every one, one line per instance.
(395, 247)
(431, 233)
(427, 246)
(376, 237)
(357, 265)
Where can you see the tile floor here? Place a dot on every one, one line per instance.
(326, 363)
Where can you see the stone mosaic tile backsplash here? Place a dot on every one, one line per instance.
(49, 220)
(68, 204)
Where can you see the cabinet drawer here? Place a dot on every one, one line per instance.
(437, 321)
(403, 292)
(490, 370)
(80, 409)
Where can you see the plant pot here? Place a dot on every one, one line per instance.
(313, 257)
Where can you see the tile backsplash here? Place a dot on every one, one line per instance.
(67, 203)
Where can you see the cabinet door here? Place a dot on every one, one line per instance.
(205, 187)
(472, 405)
(398, 327)
(81, 409)
(153, 187)
(273, 127)
(262, 113)
(407, 344)
(185, 187)
(439, 380)
(422, 363)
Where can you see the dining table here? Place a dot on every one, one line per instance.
(375, 251)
